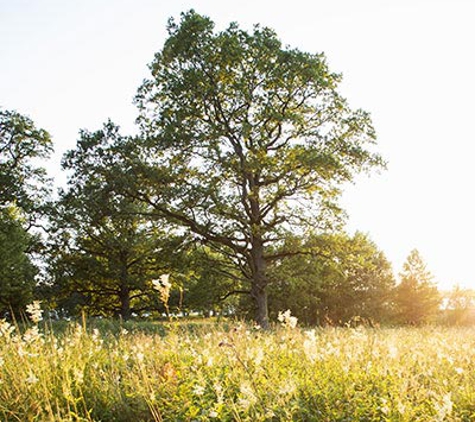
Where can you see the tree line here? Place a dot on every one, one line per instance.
(231, 186)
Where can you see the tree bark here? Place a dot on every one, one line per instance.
(259, 295)
(124, 294)
(259, 282)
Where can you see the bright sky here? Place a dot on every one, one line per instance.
(411, 63)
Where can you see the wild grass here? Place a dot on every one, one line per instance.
(234, 372)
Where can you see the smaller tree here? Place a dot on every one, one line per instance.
(104, 253)
(17, 272)
(459, 306)
(416, 298)
(340, 278)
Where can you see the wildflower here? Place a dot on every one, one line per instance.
(78, 375)
(287, 389)
(218, 389)
(287, 320)
(258, 357)
(393, 352)
(310, 345)
(269, 414)
(213, 414)
(401, 408)
(35, 312)
(248, 398)
(5, 328)
(140, 357)
(444, 408)
(31, 379)
(199, 390)
(384, 406)
(163, 286)
(31, 335)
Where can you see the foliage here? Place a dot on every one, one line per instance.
(244, 141)
(23, 191)
(212, 373)
(22, 144)
(341, 278)
(17, 271)
(416, 298)
(104, 254)
(459, 306)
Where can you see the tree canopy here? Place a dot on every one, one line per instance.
(22, 181)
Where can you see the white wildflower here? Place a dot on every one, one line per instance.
(35, 312)
(444, 408)
(269, 414)
(258, 357)
(5, 328)
(248, 398)
(384, 406)
(163, 286)
(140, 357)
(31, 335)
(310, 345)
(393, 352)
(218, 389)
(287, 320)
(287, 389)
(213, 414)
(199, 390)
(401, 408)
(78, 375)
(31, 379)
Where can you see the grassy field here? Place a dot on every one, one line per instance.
(233, 372)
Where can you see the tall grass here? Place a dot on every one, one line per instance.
(209, 372)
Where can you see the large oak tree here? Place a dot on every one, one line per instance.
(245, 140)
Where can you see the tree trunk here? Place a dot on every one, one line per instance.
(124, 303)
(259, 283)
(259, 294)
(124, 294)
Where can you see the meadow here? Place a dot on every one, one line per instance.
(231, 371)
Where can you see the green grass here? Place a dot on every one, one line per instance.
(232, 372)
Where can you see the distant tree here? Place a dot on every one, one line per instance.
(362, 284)
(17, 272)
(349, 277)
(416, 298)
(22, 181)
(104, 253)
(244, 142)
(460, 306)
